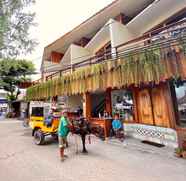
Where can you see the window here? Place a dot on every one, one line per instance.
(37, 111)
(181, 103)
(122, 103)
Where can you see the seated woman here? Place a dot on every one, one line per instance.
(118, 128)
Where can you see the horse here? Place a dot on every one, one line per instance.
(80, 126)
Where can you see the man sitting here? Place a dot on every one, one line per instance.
(48, 119)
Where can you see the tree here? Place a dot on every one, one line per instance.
(12, 73)
(15, 22)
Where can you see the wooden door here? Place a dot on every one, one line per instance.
(145, 107)
(160, 108)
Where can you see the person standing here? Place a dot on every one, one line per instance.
(23, 114)
(63, 131)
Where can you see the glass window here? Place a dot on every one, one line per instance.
(181, 103)
(37, 111)
(122, 103)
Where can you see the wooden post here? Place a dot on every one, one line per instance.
(108, 101)
(87, 105)
(171, 102)
(134, 93)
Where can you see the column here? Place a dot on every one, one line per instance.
(108, 101)
(87, 105)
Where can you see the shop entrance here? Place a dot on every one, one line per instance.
(104, 105)
(98, 101)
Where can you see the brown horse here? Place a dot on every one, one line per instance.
(81, 127)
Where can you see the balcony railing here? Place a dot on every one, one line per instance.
(162, 37)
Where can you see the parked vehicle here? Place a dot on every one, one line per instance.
(39, 115)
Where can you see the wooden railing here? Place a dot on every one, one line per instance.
(139, 44)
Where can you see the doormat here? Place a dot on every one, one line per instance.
(153, 143)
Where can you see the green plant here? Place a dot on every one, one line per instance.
(179, 151)
(16, 19)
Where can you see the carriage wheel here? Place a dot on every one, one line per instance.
(39, 137)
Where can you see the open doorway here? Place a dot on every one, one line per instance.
(98, 100)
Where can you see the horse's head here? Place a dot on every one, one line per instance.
(80, 125)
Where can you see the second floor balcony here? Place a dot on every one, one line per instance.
(156, 57)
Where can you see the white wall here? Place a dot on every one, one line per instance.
(74, 54)
(100, 39)
(155, 14)
(79, 54)
(120, 34)
(48, 65)
(75, 101)
(66, 60)
(113, 31)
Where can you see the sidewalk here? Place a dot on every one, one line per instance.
(136, 145)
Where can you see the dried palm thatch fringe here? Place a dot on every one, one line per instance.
(152, 65)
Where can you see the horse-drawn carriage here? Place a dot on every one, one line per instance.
(43, 124)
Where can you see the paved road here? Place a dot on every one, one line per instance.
(21, 160)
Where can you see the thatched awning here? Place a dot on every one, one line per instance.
(152, 65)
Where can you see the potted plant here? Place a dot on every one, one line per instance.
(184, 154)
(178, 152)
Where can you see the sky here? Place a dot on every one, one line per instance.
(54, 18)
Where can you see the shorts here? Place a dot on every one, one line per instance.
(62, 141)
